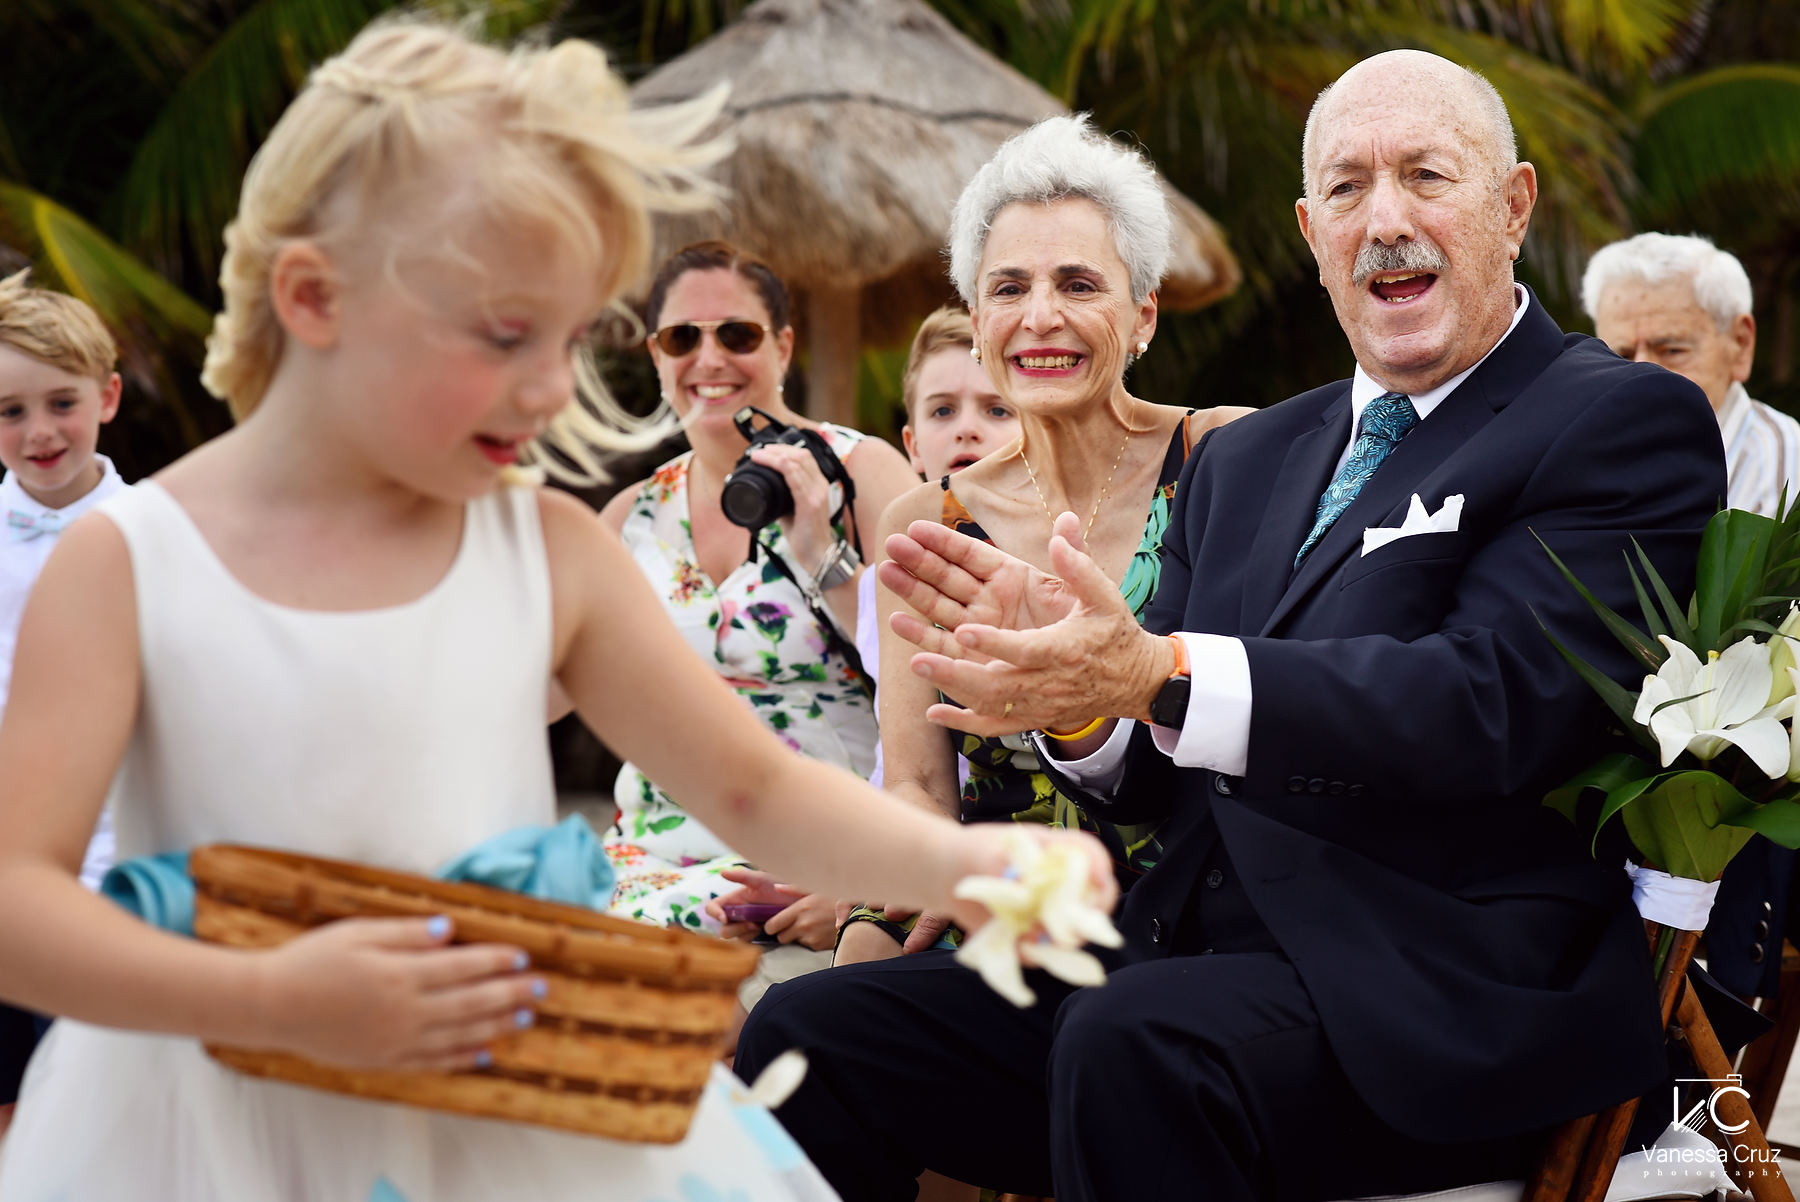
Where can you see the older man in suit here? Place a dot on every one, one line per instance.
(1369, 961)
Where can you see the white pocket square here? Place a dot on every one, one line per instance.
(1417, 522)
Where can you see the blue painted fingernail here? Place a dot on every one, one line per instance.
(521, 961)
(523, 1018)
(438, 927)
(540, 988)
(484, 1059)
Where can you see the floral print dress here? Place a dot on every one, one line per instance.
(755, 629)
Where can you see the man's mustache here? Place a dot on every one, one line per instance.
(1378, 257)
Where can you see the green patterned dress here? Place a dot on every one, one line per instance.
(754, 628)
(1005, 778)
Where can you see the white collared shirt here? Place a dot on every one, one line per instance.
(1216, 732)
(1762, 452)
(22, 559)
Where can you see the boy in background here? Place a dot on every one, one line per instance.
(57, 388)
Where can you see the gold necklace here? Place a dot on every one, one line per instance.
(1098, 501)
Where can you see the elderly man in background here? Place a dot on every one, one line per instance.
(1369, 960)
(1682, 303)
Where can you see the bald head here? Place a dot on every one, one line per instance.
(1462, 96)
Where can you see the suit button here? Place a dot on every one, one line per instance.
(1355, 791)
(1206, 951)
(1156, 930)
(1214, 879)
(1296, 784)
(1756, 953)
(1224, 785)
(1762, 929)
(1316, 785)
(1335, 788)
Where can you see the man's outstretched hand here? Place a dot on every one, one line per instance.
(1020, 649)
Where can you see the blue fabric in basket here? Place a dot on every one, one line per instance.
(562, 863)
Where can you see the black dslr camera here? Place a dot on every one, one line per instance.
(754, 495)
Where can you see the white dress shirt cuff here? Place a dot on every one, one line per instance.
(1216, 733)
(1101, 768)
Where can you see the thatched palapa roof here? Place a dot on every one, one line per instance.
(857, 123)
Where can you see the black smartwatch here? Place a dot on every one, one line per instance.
(1169, 706)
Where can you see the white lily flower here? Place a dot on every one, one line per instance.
(1793, 772)
(1704, 707)
(1781, 654)
(1042, 915)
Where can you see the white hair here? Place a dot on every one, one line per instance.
(1059, 158)
(1720, 285)
(1487, 98)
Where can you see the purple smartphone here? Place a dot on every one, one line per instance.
(757, 912)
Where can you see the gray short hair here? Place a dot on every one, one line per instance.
(1487, 96)
(1059, 158)
(1720, 284)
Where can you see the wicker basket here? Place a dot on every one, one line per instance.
(625, 1038)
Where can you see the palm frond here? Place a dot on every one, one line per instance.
(151, 316)
(1730, 128)
(182, 186)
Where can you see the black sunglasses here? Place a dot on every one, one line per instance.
(738, 337)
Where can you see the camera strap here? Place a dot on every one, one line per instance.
(835, 639)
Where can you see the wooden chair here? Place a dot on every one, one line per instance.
(1578, 1165)
(1764, 1064)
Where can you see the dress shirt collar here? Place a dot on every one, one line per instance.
(1734, 412)
(1363, 389)
(14, 497)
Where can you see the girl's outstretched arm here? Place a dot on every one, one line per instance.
(365, 992)
(644, 692)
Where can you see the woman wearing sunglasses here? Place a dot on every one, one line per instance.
(771, 609)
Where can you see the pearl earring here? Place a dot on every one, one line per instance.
(1142, 347)
(975, 353)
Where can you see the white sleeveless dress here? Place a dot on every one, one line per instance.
(402, 737)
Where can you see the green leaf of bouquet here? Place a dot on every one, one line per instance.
(1734, 552)
(1647, 650)
(1677, 822)
(1675, 614)
(1617, 698)
(1604, 774)
(1653, 621)
(1778, 821)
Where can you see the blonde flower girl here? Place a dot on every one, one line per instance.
(333, 630)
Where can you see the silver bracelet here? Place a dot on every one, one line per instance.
(839, 566)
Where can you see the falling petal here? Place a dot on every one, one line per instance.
(777, 1083)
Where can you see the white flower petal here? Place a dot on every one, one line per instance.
(777, 1083)
(1064, 963)
(1765, 742)
(994, 953)
(1656, 690)
(1740, 683)
(1679, 670)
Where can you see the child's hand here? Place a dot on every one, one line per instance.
(388, 993)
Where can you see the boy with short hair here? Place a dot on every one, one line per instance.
(57, 388)
(954, 416)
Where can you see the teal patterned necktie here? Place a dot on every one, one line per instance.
(1384, 423)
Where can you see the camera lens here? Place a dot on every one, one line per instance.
(754, 496)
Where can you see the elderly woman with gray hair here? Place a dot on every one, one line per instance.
(1057, 246)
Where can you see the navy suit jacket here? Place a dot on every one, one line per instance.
(1476, 972)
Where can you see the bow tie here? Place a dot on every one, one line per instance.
(23, 526)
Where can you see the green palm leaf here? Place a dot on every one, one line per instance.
(149, 312)
(1730, 128)
(182, 186)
